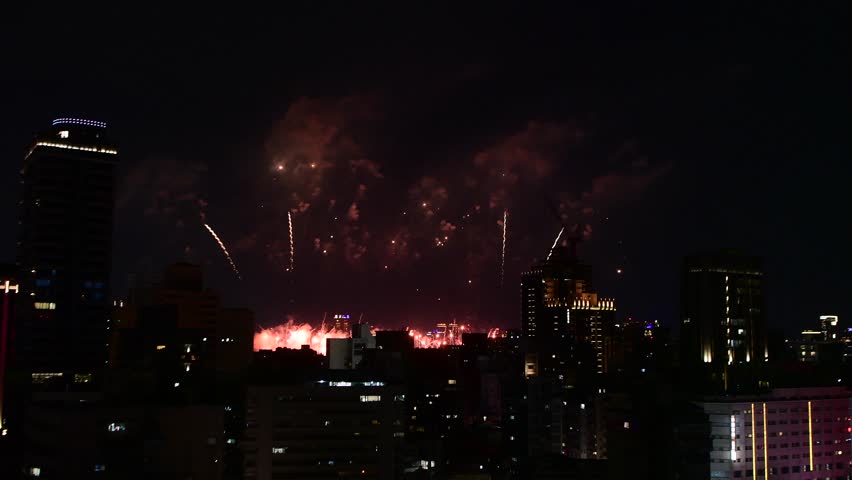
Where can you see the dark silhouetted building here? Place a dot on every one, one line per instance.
(564, 321)
(724, 318)
(346, 427)
(394, 340)
(826, 346)
(64, 251)
(182, 327)
(9, 290)
(830, 328)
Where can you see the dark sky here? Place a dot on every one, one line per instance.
(666, 132)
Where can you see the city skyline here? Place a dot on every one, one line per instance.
(656, 166)
(485, 242)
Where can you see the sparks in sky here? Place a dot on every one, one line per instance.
(503, 252)
(555, 242)
(503, 248)
(292, 247)
(224, 250)
(293, 335)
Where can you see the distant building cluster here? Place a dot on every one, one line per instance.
(164, 382)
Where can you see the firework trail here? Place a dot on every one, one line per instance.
(503, 253)
(555, 242)
(224, 250)
(292, 247)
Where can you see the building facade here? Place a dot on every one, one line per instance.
(724, 319)
(9, 290)
(324, 429)
(795, 433)
(64, 251)
(566, 324)
(180, 326)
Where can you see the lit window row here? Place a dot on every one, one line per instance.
(45, 306)
(42, 377)
(370, 383)
(116, 427)
(79, 121)
(110, 151)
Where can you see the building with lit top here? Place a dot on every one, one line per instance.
(565, 322)
(830, 328)
(723, 318)
(64, 252)
(341, 322)
(795, 433)
(826, 345)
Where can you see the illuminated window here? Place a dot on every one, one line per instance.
(161, 347)
(279, 450)
(45, 306)
(63, 134)
(34, 471)
(451, 381)
(116, 427)
(371, 398)
(100, 467)
(44, 377)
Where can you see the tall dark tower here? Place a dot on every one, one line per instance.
(64, 252)
(723, 320)
(8, 294)
(563, 320)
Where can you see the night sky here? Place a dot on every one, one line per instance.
(396, 139)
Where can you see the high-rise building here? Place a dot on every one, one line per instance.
(350, 427)
(723, 319)
(789, 433)
(64, 251)
(180, 327)
(824, 345)
(341, 322)
(563, 320)
(567, 335)
(830, 328)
